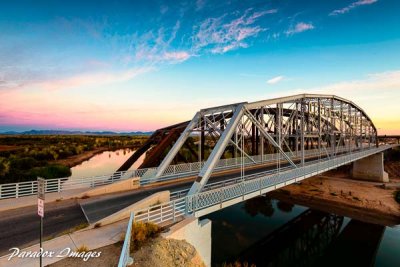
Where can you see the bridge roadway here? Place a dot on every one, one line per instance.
(23, 223)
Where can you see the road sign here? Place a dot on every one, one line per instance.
(41, 183)
(40, 207)
(41, 190)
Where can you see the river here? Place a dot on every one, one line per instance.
(104, 163)
(268, 232)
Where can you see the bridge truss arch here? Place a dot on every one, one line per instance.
(288, 127)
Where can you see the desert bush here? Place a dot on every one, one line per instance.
(141, 232)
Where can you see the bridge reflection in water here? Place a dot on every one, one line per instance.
(298, 242)
(315, 238)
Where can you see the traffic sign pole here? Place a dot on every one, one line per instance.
(41, 189)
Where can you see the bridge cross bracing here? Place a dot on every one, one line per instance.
(288, 126)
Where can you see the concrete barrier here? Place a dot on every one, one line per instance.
(124, 185)
(156, 198)
(195, 232)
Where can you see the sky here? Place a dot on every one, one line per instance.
(142, 65)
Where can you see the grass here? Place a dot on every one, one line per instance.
(142, 232)
(397, 196)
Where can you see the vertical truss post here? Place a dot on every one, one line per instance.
(179, 143)
(319, 127)
(302, 132)
(261, 136)
(296, 127)
(351, 129)
(202, 137)
(216, 153)
(332, 121)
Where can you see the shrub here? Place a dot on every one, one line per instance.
(52, 171)
(82, 248)
(141, 232)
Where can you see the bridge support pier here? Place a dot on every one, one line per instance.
(197, 233)
(370, 168)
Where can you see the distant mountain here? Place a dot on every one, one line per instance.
(64, 132)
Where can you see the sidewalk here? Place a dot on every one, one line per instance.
(91, 238)
(14, 203)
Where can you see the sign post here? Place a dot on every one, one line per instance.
(41, 189)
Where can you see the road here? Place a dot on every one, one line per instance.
(20, 227)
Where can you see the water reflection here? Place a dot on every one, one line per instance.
(298, 242)
(104, 163)
(267, 232)
(259, 205)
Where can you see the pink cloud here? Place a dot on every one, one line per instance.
(352, 6)
(300, 27)
(222, 37)
(179, 56)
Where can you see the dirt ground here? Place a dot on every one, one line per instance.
(158, 252)
(78, 159)
(167, 253)
(109, 258)
(336, 192)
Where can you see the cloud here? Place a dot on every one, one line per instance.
(177, 56)
(79, 80)
(300, 27)
(218, 36)
(275, 80)
(352, 6)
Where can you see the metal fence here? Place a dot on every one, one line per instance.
(125, 259)
(223, 191)
(16, 190)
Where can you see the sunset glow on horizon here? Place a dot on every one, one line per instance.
(132, 66)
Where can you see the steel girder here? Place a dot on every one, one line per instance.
(287, 125)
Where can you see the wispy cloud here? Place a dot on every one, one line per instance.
(220, 36)
(78, 80)
(352, 6)
(276, 80)
(300, 27)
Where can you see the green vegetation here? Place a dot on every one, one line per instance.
(24, 157)
(141, 232)
(397, 196)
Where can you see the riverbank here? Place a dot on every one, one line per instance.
(337, 193)
(79, 159)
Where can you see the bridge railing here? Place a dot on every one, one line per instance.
(124, 258)
(16, 190)
(220, 192)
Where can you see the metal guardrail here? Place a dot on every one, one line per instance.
(220, 192)
(16, 190)
(125, 259)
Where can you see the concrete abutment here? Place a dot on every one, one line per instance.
(370, 168)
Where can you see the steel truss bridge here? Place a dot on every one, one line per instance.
(263, 145)
(285, 140)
